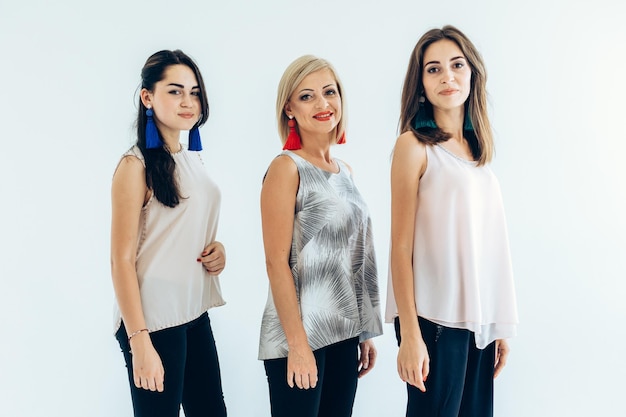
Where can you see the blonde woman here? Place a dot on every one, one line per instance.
(323, 307)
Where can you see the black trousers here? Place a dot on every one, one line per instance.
(192, 372)
(460, 382)
(333, 396)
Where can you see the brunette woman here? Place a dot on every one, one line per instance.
(451, 291)
(165, 260)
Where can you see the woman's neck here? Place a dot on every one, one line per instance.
(450, 121)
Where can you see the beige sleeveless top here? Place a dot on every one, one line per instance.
(461, 259)
(174, 287)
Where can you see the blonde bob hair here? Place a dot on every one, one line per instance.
(481, 138)
(297, 71)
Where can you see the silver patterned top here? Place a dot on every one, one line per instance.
(332, 262)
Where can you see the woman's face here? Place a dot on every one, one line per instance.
(446, 75)
(316, 104)
(175, 101)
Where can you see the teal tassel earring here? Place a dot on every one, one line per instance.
(152, 134)
(422, 119)
(467, 124)
(195, 144)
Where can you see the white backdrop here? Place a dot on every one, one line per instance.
(68, 73)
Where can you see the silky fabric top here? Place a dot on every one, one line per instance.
(332, 261)
(175, 288)
(461, 259)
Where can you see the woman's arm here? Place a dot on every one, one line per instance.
(408, 165)
(278, 201)
(128, 194)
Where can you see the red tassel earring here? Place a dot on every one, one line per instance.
(293, 140)
(342, 139)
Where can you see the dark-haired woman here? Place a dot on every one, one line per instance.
(165, 260)
(451, 290)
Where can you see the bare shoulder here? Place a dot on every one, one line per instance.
(129, 165)
(347, 165)
(129, 194)
(409, 142)
(409, 154)
(281, 168)
(280, 185)
(129, 179)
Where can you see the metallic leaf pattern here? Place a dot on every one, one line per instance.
(332, 261)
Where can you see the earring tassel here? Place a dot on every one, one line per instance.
(152, 134)
(342, 139)
(467, 124)
(195, 144)
(293, 139)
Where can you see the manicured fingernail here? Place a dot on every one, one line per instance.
(198, 259)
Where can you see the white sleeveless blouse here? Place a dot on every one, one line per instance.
(175, 288)
(461, 260)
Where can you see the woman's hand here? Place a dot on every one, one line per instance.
(502, 354)
(414, 362)
(213, 257)
(301, 367)
(148, 372)
(367, 358)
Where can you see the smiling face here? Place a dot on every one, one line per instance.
(175, 101)
(446, 75)
(316, 104)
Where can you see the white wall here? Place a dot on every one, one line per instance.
(67, 76)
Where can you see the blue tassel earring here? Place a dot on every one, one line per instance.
(195, 144)
(153, 140)
(421, 119)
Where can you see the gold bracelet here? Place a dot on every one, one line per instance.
(136, 333)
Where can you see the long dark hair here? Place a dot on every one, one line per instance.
(160, 165)
(481, 138)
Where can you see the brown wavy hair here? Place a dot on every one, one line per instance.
(481, 138)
